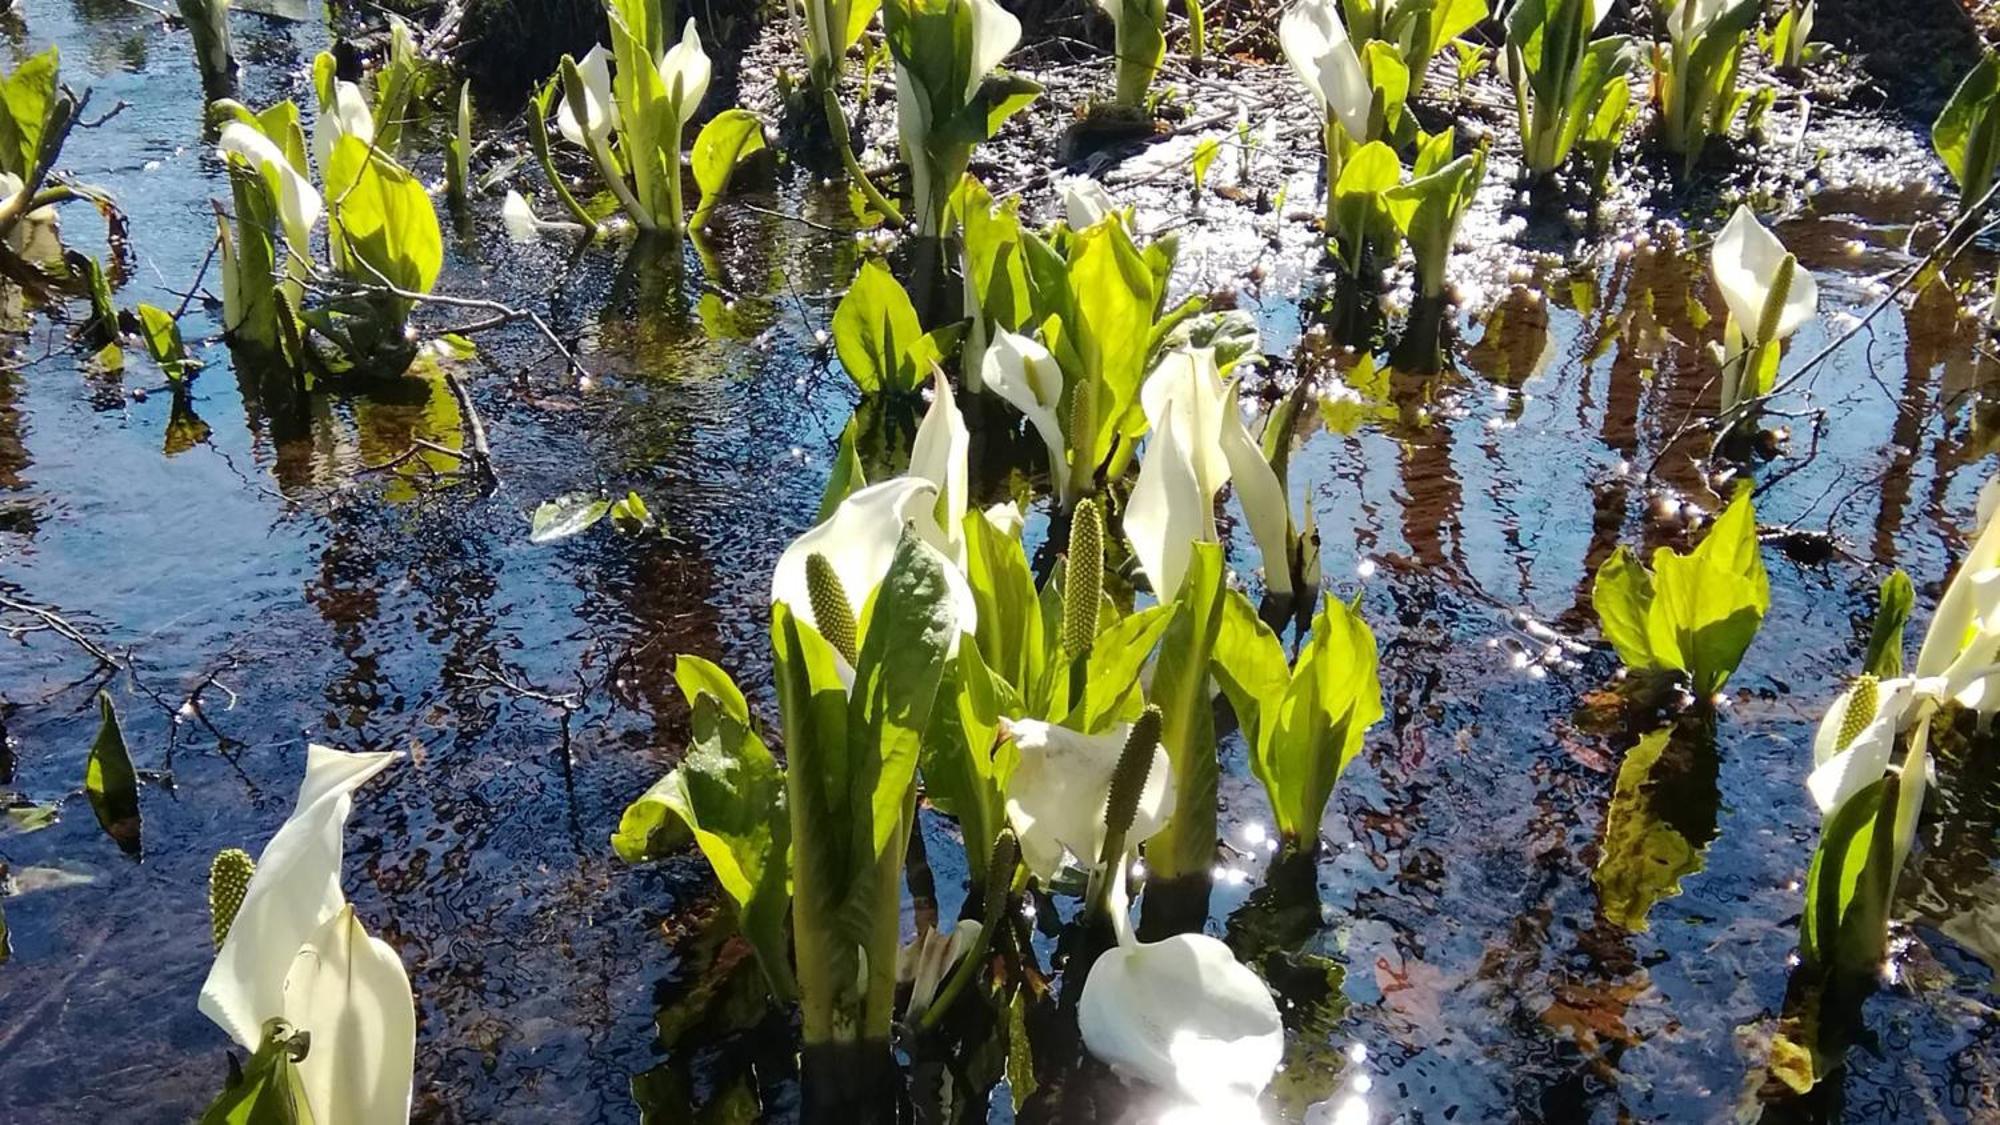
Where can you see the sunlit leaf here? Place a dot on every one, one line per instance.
(567, 515)
(875, 329)
(111, 782)
(729, 138)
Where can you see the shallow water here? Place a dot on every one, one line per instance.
(1483, 978)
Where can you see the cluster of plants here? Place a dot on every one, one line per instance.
(1054, 697)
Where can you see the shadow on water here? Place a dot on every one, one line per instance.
(1516, 911)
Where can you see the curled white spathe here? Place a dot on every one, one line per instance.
(1183, 1015)
(1020, 370)
(859, 541)
(1747, 259)
(1317, 46)
(938, 455)
(299, 202)
(685, 71)
(600, 110)
(1085, 202)
(295, 951)
(348, 116)
(349, 991)
(1056, 799)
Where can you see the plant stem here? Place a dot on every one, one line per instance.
(836, 120)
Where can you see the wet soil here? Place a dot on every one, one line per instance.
(273, 573)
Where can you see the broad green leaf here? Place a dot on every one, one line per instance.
(697, 677)
(1429, 209)
(1116, 298)
(911, 628)
(1009, 633)
(729, 138)
(1658, 826)
(995, 274)
(731, 794)
(163, 341)
(1623, 595)
(1335, 695)
(30, 818)
(28, 93)
(651, 828)
(1844, 928)
(1186, 847)
(875, 328)
(1604, 62)
(1965, 133)
(111, 782)
(1885, 637)
(1249, 665)
(1112, 689)
(1361, 214)
(567, 515)
(382, 226)
(1708, 604)
(965, 763)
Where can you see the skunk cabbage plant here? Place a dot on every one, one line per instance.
(326, 1008)
(1770, 297)
(1430, 208)
(881, 345)
(949, 95)
(1695, 71)
(1360, 93)
(1418, 29)
(1304, 722)
(1692, 615)
(629, 107)
(1561, 76)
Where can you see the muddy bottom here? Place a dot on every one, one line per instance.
(273, 583)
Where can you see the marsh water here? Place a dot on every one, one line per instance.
(1492, 961)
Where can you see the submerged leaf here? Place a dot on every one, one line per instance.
(567, 515)
(110, 781)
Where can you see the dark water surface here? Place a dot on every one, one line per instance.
(1484, 975)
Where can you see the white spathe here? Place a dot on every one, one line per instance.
(1840, 772)
(1692, 20)
(1317, 46)
(349, 992)
(995, 34)
(1746, 259)
(925, 962)
(685, 71)
(348, 116)
(1056, 798)
(938, 455)
(519, 218)
(1970, 599)
(1086, 203)
(600, 111)
(1021, 371)
(299, 202)
(859, 541)
(1209, 423)
(1183, 1015)
(295, 889)
(1168, 511)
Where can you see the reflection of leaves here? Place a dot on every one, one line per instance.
(567, 515)
(1662, 817)
(112, 784)
(1269, 933)
(1362, 396)
(185, 429)
(722, 1006)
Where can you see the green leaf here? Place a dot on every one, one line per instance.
(567, 515)
(111, 783)
(1205, 152)
(1249, 665)
(896, 680)
(1428, 210)
(1361, 216)
(631, 513)
(1334, 696)
(1849, 884)
(22, 819)
(965, 763)
(1186, 847)
(26, 95)
(1116, 295)
(1885, 637)
(267, 1092)
(458, 151)
(1964, 135)
(1708, 604)
(1009, 634)
(381, 224)
(163, 341)
(729, 138)
(847, 477)
(1658, 827)
(875, 328)
(1111, 688)
(1603, 63)
(1623, 595)
(730, 793)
